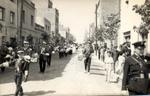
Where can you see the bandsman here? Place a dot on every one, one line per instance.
(43, 57)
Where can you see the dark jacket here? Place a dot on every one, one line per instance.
(133, 69)
(88, 51)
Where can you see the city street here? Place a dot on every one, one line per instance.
(33, 31)
(65, 77)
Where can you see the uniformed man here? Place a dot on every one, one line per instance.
(3, 53)
(19, 73)
(50, 49)
(43, 57)
(19, 66)
(135, 78)
(27, 56)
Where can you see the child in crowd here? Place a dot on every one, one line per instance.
(109, 65)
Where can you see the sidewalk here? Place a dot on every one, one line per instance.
(114, 86)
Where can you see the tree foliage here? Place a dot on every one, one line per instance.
(144, 11)
(111, 26)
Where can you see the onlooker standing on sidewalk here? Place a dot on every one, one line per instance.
(109, 65)
(99, 52)
(43, 58)
(102, 53)
(115, 56)
(120, 65)
(88, 50)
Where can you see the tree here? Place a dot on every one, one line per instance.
(111, 27)
(144, 11)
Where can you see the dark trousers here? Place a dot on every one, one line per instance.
(87, 63)
(18, 82)
(99, 54)
(60, 54)
(2, 69)
(26, 68)
(42, 63)
(49, 60)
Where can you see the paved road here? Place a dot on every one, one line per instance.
(65, 77)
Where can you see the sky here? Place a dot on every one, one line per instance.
(77, 15)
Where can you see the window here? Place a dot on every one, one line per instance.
(32, 20)
(12, 17)
(23, 16)
(2, 13)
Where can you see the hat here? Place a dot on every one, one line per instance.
(10, 48)
(20, 51)
(89, 42)
(7, 56)
(25, 42)
(139, 44)
(44, 42)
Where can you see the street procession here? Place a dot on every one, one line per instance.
(74, 48)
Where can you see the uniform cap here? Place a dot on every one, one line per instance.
(25, 42)
(10, 48)
(20, 51)
(139, 44)
(7, 56)
(44, 42)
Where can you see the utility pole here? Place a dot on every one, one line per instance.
(21, 18)
(96, 27)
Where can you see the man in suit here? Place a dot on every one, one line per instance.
(50, 49)
(115, 56)
(87, 52)
(135, 78)
(43, 57)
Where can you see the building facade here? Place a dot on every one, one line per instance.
(8, 20)
(130, 22)
(53, 16)
(12, 26)
(45, 10)
(63, 31)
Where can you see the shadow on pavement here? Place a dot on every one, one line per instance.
(55, 70)
(35, 93)
(97, 65)
(97, 73)
(98, 69)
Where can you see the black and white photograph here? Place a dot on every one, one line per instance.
(74, 47)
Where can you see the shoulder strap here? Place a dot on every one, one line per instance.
(137, 61)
